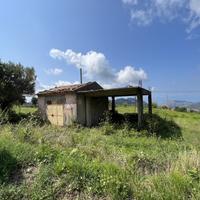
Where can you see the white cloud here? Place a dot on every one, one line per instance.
(192, 36)
(54, 71)
(96, 67)
(40, 86)
(129, 75)
(60, 83)
(131, 2)
(141, 17)
(107, 86)
(195, 7)
(194, 18)
(93, 63)
(146, 12)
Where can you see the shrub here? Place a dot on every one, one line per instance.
(154, 105)
(180, 109)
(165, 107)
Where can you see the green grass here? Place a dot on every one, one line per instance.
(106, 162)
(25, 110)
(188, 122)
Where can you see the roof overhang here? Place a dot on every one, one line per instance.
(54, 94)
(66, 89)
(131, 91)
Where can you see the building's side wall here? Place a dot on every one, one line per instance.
(83, 108)
(42, 107)
(43, 101)
(76, 107)
(95, 109)
(69, 106)
(70, 109)
(81, 113)
(91, 110)
(55, 99)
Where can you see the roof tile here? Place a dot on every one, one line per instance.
(65, 88)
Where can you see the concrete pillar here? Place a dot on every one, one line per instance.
(135, 104)
(113, 104)
(150, 104)
(140, 109)
(88, 112)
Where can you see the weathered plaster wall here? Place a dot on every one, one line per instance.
(42, 107)
(91, 110)
(81, 114)
(85, 110)
(55, 99)
(68, 101)
(70, 109)
(95, 109)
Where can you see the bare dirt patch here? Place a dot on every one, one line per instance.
(24, 175)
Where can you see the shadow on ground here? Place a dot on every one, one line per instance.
(9, 168)
(153, 125)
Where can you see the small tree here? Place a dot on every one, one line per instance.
(15, 82)
(34, 101)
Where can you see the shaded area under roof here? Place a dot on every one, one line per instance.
(131, 91)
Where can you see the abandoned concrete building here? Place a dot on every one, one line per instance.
(85, 103)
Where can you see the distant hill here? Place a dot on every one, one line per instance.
(185, 104)
(176, 103)
(195, 106)
(127, 101)
(171, 104)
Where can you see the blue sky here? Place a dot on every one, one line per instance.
(116, 42)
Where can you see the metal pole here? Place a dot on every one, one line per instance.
(81, 77)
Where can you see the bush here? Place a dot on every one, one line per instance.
(154, 105)
(180, 109)
(165, 107)
(162, 127)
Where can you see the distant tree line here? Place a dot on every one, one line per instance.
(34, 101)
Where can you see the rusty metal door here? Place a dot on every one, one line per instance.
(55, 114)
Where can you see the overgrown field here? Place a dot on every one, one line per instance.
(106, 162)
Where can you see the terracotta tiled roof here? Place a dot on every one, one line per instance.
(67, 88)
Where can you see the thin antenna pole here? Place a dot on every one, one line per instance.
(140, 83)
(81, 77)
